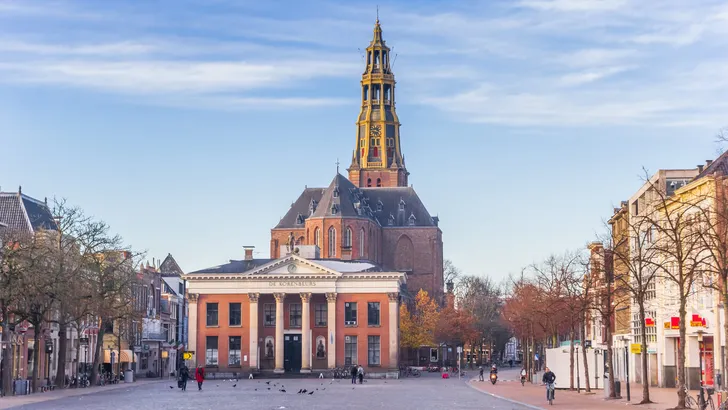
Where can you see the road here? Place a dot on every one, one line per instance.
(426, 392)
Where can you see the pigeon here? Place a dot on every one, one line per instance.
(300, 391)
(217, 385)
(266, 382)
(268, 388)
(310, 393)
(256, 389)
(235, 385)
(283, 390)
(171, 387)
(304, 391)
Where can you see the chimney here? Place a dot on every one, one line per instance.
(700, 168)
(708, 162)
(248, 252)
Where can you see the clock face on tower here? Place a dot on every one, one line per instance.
(375, 131)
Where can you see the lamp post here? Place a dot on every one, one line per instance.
(700, 364)
(596, 365)
(578, 379)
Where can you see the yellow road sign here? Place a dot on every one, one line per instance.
(188, 355)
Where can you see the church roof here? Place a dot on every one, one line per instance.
(719, 166)
(388, 206)
(23, 213)
(169, 265)
(235, 266)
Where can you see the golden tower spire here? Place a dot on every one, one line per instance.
(377, 160)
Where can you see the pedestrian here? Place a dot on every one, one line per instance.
(354, 372)
(510, 362)
(200, 377)
(360, 373)
(184, 374)
(480, 375)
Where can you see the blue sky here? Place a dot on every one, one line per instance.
(191, 125)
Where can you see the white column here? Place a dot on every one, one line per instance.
(253, 350)
(305, 333)
(280, 297)
(393, 330)
(331, 325)
(192, 330)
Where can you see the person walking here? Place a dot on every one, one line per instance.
(360, 373)
(200, 377)
(480, 375)
(354, 372)
(184, 374)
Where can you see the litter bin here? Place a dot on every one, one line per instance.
(128, 376)
(617, 388)
(20, 387)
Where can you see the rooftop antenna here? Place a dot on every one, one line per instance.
(337, 166)
(377, 13)
(395, 59)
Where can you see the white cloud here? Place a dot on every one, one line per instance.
(585, 77)
(574, 5)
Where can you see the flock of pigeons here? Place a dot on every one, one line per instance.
(274, 385)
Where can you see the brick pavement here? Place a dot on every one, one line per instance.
(14, 401)
(535, 396)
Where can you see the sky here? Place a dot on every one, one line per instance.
(190, 126)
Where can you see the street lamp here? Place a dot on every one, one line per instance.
(578, 380)
(700, 364)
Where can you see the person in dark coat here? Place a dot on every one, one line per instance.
(354, 372)
(184, 374)
(199, 376)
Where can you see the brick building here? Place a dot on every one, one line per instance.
(341, 259)
(373, 215)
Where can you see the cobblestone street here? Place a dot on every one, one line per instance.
(427, 392)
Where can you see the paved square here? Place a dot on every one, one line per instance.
(427, 392)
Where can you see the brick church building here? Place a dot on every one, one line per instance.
(373, 215)
(341, 261)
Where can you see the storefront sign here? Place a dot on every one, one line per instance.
(674, 322)
(667, 325)
(165, 354)
(649, 322)
(291, 284)
(187, 355)
(635, 348)
(697, 321)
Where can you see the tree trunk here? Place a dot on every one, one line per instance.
(609, 352)
(62, 347)
(7, 366)
(717, 350)
(36, 357)
(645, 375)
(587, 386)
(78, 351)
(118, 353)
(97, 350)
(681, 354)
(571, 357)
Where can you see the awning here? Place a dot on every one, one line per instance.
(126, 356)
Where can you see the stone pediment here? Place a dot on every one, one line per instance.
(293, 266)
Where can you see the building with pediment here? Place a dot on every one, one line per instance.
(341, 259)
(294, 314)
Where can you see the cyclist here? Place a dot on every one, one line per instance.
(548, 379)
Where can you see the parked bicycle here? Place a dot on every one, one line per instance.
(691, 402)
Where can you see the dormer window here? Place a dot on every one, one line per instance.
(390, 221)
(299, 219)
(379, 205)
(334, 209)
(411, 221)
(336, 192)
(402, 205)
(312, 207)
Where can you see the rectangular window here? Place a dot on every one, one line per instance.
(349, 350)
(374, 350)
(212, 314)
(234, 351)
(373, 313)
(269, 311)
(294, 315)
(321, 315)
(211, 351)
(350, 314)
(236, 315)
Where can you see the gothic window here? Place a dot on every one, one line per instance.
(317, 237)
(332, 242)
(366, 92)
(362, 151)
(347, 238)
(390, 142)
(336, 192)
(299, 219)
(334, 209)
(361, 243)
(412, 219)
(401, 204)
(369, 182)
(361, 143)
(379, 182)
(375, 152)
(379, 205)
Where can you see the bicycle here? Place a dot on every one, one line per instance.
(550, 393)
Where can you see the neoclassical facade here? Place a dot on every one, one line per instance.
(294, 314)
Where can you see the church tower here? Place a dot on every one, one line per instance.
(377, 160)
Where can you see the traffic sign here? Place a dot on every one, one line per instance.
(188, 355)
